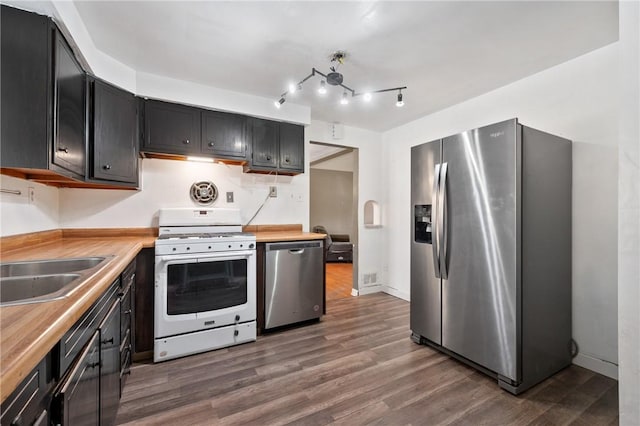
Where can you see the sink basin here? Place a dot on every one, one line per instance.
(39, 288)
(48, 267)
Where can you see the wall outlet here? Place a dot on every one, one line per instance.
(273, 191)
(229, 197)
(31, 194)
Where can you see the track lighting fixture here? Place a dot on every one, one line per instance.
(334, 78)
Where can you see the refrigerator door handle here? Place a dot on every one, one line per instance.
(435, 246)
(442, 222)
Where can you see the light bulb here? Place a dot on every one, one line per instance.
(400, 102)
(293, 88)
(345, 99)
(323, 88)
(367, 97)
(278, 103)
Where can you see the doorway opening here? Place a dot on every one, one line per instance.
(333, 188)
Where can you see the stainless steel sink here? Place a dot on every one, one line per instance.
(36, 281)
(39, 288)
(48, 267)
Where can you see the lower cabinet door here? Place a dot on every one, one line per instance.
(77, 399)
(110, 365)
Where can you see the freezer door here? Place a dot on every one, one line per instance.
(481, 225)
(425, 317)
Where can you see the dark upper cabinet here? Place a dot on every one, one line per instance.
(264, 141)
(171, 128)
(224, 135)
(113, 134)
(276, 147)
(25, 66)
(292, 147)
(69, 141)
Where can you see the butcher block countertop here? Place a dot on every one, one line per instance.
(28, 332)
(274, 233)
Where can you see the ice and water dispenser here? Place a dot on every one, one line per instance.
(422, 223)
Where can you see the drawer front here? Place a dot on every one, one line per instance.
(128, 275)
(76, 338)
(26, 404)
(126, 369)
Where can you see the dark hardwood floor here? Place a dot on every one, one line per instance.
(356, 366)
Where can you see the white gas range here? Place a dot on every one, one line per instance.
(205, 282)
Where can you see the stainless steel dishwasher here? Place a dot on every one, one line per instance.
(293, 282)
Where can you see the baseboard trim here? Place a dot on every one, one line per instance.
(599, 366)
(370, 289)
(397, 293)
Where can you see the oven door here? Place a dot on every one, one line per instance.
(200, 292)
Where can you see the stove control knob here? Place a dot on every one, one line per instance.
(237, 318)
(236, 332)
(229, 245)
(241, 245)
(251, 245)
(188, 248)
(174, 249)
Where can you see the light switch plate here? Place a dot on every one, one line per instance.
(229, 197)
(273, 191)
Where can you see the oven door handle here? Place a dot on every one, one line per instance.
(205, 257)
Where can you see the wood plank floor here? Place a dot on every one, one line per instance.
(339, 278)
(356, 366)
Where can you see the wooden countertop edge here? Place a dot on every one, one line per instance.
(270, 237)
(14, 369)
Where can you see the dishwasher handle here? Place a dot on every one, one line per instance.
(294, 247)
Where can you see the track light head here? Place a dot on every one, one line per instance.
(279, 102)
(345, 98)
(367, 97)
(400, 102)
(323, 87)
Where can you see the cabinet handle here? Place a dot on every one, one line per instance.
(65, 150)
(93, 364)
(107, 167)
(268, 158)
(127, 312)
(104, 342)
(210, 144)
(286, 159)
(128, 371)
(186, 142)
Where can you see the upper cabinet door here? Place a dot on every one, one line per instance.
(115, 153)
(26, 71)
(224, 135)
(69, 145)
(265, 143)
(171, 128)
(292, 147)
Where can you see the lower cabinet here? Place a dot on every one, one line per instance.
(77, 400)
(110, 365)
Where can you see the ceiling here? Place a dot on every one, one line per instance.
(445, 52)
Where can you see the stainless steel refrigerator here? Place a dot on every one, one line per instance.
(491, 251)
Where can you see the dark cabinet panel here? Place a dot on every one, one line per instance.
(110, 365)
(171, 128)
(77, 401)
(114, 134)
(223, 135)
(292, 147)
(264, 139)
(25, 63)
(69, 147)
(143, 304)
(276, 147)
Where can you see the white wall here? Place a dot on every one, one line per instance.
(629, 216)
(19, 215)
(370, 250)
(166, 183)
(344, 163)
(577, 100)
